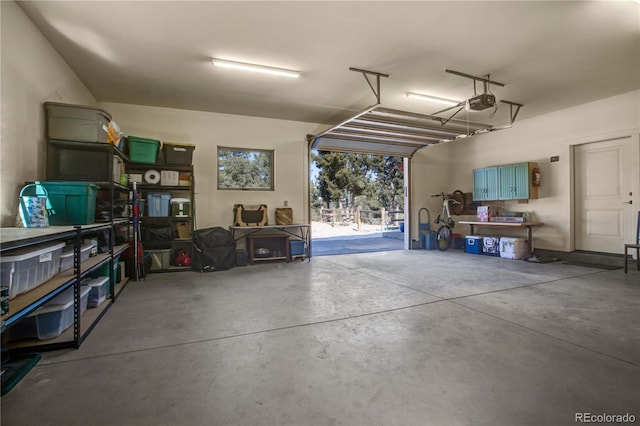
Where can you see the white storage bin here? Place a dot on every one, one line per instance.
(51, 320)
(98, 291)
(66, 257)
(513, 248)
(25, 269)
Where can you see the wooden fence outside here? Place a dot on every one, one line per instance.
(385, 218)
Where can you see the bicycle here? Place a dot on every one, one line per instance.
(444, 234)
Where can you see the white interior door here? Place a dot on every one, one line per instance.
(603, 195)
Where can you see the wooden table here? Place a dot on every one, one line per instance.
(278, 245)
(509, 225)
(300, 231)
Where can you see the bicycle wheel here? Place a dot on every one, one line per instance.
(444, 236)
(458, 207)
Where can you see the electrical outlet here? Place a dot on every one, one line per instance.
(286, 203)
(555, 158)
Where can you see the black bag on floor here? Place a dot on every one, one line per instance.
(214, 249)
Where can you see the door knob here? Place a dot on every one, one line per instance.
(628, 202)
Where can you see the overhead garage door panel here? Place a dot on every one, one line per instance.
(351, 145)
(384, 131)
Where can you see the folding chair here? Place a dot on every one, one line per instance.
(632, 246)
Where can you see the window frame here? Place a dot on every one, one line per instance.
(269, 152)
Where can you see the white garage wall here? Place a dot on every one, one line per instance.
(535, 139)
(32, 72)
(429, 175)
(208, 130)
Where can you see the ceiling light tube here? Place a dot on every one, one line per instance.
(443, 101)
(254, 68)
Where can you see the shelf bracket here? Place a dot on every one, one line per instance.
(366, 73)
(513, 114)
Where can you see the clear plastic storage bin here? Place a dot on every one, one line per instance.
(66, 257)
(51, 320)
(98, 290)
(25, 269)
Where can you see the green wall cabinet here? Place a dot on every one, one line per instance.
(485, 184)
(506, 182)
(514, 182)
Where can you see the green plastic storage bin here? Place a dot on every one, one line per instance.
(73, 202)
(142, 150)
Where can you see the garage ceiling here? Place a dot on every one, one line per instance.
(550, 55)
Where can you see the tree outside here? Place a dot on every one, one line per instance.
(352, 180)
(245, 169)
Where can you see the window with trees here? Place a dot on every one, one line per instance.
(245, 169)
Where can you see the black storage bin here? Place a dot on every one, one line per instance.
(73, 161)
(177, 154)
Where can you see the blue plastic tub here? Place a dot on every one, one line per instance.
(158, 204)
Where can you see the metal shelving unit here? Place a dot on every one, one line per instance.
(26, 303)
(72, 160)
(146, 221)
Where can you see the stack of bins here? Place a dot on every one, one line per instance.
(78, 153)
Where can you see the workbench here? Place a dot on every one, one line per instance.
(508, 225)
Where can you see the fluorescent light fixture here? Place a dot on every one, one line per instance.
(443, 101)
(254, 68)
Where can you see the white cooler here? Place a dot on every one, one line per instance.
(513, 248)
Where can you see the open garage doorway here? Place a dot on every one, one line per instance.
(357, 202)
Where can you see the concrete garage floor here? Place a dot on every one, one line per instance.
(389, 338)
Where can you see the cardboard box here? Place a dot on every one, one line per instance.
(485, 213)
(169, 178)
